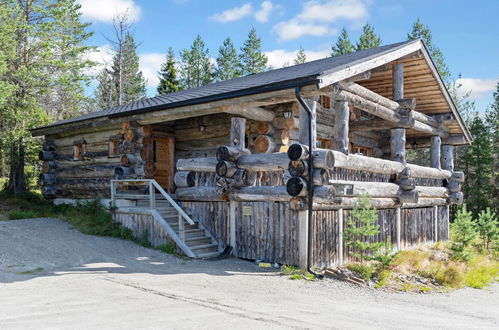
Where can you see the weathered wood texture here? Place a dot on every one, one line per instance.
(417, 228)
(143, 226)
(214, 216)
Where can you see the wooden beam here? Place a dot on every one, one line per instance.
(237, 133)
(303, 126)
(255, 113)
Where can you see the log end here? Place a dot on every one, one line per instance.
(296, 186)
(297, 151)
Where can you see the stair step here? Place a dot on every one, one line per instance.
(203, 246)
(193, 241)
(207, 254)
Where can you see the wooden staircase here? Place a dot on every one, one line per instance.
(189, 235)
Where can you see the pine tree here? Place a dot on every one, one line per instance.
(253, 60)
(360, 230)
(368, 38)
(48, 63)
(421, 31)
(196, 69)
(301, 57)
(343, 44)
(228, 65)
(168, 82)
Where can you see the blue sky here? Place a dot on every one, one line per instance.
(467, 33)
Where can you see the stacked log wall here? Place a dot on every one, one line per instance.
(89, 175)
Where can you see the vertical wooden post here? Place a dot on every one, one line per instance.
(447, 158)
(238, 132)
(435, 216)
(340, 130)
(303, 123)
(152, 196)
(232, 226)
(397, 145)
(340, 237)
(398, 223)
(237, 140)
(436, 142)
(398, 81)
(113, 193)
(302, 239)
(397, 140)
(448, 222)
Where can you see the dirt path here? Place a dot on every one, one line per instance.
(79, 281)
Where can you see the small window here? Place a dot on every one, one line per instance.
(78, 151)
(113, 149)
(324, 143)
(325, 102)
(360, 150)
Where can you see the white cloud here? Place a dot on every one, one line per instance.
(150, 64)
(106, 10)
(278, 57)
(294, 29)
(263, 14)
(233, 14)
(102, 56)
(317, 16)
(476, 87)
(331, 11)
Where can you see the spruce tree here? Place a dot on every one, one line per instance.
(168, 82)
(421, 31)
(133, 84)
(105, 93)
(368, 38)
(253, 60)
(196, 69)
(228, 65)
(343, 44)
(492, 119)
(361, 228)
(301, 57)
(478, 161)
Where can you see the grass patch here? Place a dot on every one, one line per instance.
(296, 273)
(383, 278)
(32, 271)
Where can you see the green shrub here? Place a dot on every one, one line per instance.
(383, 278)
(360, 231)
(451, 276)
(365, 271)
(482, 271)
(463, 234)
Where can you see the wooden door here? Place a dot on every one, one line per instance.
(164, 158)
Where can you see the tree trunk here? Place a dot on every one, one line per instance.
(17, 181)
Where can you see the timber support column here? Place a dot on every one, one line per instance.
(436, 142)
(302, 239)
(397, 140)
(340, 130)
(238, 141)
(447, 158)
(303, 123)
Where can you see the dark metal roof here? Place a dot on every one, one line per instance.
(296, 75)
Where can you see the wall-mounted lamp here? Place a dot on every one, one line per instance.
(202, 128)
(287, 114)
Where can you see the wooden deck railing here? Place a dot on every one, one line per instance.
(151, 196)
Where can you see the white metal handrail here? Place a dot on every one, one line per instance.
(153, 185)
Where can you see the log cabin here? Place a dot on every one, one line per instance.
(268, 166)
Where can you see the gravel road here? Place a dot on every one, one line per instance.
(76, 281)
